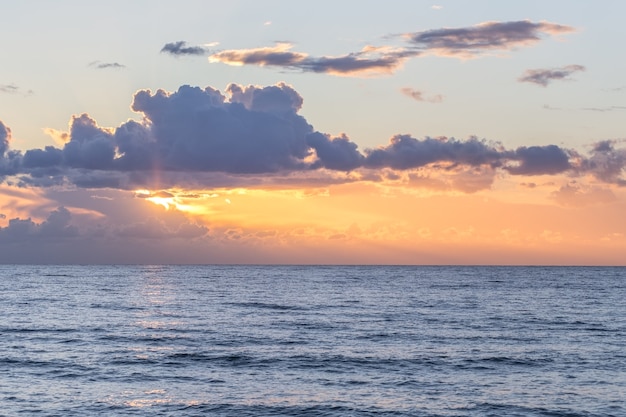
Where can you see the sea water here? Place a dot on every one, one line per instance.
(312, 341)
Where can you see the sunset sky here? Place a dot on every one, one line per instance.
(402, 132)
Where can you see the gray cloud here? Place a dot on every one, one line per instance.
(485, 37)
(9, 88)
(5, 138)
(370, 60)
(405, 152)
(465, 42)
(180, 48)
(254, 135)
(106, 65)
(543, 77)
(606, 162)
(540, 160)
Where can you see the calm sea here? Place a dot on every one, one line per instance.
(312, 341)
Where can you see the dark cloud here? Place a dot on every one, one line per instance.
(543, 77)
(606, 162)
(405, 152)
(485, 37)
(106, 65)
(370, 60)
(418, 95)
(539, 160)
(180, 48)
(252, 135)
(335, 153)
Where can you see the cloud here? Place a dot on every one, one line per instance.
(153, 228)
(14, 89)
(576, 195)
(9, 88)
(180, 48)
(106, 65)
(406, 152)
(543, 77)
(56, 226)
(370, 60)
(252, 135)
(606, 162)
(539, 160)
(5, 138)
(470, 42)
(418, 95)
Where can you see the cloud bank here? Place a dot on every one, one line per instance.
(543, 77)
(195, 135)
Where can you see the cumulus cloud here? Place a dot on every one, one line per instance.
(418, 95)
(370, 60)
(470, 42)
(543, 77)
(247, 135)
(56, 226)
(181, 48)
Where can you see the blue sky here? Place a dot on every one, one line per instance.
(512, 75)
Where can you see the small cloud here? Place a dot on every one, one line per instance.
(180, 48)
(9, 88)
(268, 23)
(418, 95)
(605, 109)
(106, 65)
(436, 7)
(543, 77)
(14, 89)
(101, 197)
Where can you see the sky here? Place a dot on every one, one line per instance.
(281, 132)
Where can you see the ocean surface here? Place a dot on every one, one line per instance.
(312, 341)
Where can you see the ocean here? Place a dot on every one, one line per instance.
(312, 341)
